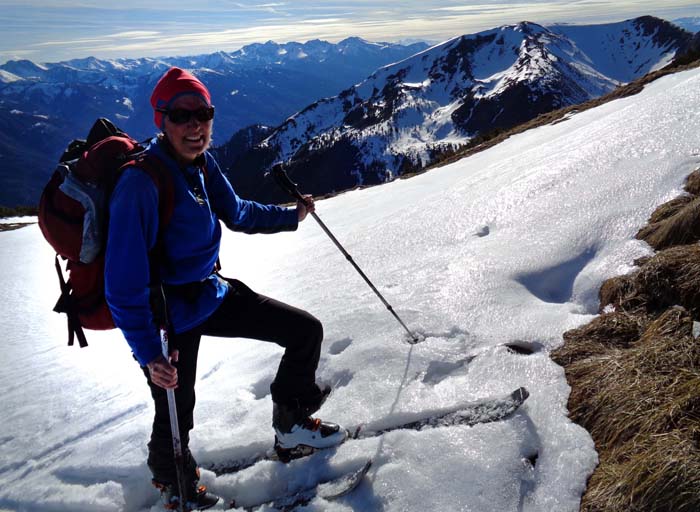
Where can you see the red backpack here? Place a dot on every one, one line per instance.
(73, 216)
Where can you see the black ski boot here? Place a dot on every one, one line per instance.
(197, 496)
(297, 434)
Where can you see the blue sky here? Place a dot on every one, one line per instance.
(48, 31)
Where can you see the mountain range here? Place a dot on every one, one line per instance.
(691, 24)
(44, 106)
(365, 112)
(406, 114)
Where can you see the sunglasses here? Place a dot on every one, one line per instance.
(182, 115)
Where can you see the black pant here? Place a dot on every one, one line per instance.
(243, 314)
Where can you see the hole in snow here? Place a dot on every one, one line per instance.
(341, 379)
(420, 335)
(339, 346)
(262, 388)
(531, 459)
(523, 347)
(483, 231)
(439, 370)
(212, 371)
(556, 284)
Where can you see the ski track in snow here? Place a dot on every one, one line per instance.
(557, 209)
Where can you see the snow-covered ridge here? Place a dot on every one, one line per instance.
(691, 24)
(486, 64)
(405, 113)
(7, 77)
(265, 54)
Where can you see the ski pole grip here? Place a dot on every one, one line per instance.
(284, 182)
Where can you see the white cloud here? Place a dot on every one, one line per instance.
(146, 28)
(135, 34)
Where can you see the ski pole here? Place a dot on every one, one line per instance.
(286, 184)
(172, 409)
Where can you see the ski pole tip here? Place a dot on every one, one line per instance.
(414, 338)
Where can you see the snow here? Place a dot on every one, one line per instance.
(575, 63)
(692, 24)
(510, 244)
(14, 220)
(633, 51)
(6, 77)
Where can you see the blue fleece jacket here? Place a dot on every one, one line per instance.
(190, 245)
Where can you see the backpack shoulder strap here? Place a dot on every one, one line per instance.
(163, 181)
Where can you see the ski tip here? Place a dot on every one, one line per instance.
(414, 338)
(355, 434)
(520, 394)
(366, 467)
(345, 484)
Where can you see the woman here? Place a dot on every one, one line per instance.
(199, 301)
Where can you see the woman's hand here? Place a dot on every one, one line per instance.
(164, 374)
(305, 207)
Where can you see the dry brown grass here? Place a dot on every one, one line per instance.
(674, 223)
(669, 209)
(622, 293)
(692, 183)
(670, 277)
(641, 405)
(9, 226)
(652, 474)
(618, 329)
(635, 374)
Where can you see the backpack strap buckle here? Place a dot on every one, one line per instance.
(66, 305)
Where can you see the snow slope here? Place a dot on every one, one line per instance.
(621, 51)
(509, 244)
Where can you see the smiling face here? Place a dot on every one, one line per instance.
(190, 139)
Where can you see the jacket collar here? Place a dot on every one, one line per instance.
(164, 149)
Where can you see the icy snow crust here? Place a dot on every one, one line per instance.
(509, 244)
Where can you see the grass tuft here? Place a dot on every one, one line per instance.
(635, 373)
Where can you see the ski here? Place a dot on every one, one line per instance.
(329, 490)
(481, 411)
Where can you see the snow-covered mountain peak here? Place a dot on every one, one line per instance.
(625, 50)
(90, 63)
(526, 27)
(25, 69)
(405, 113)
(355, 41)
(6, 77)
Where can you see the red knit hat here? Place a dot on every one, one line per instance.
(173, 84)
